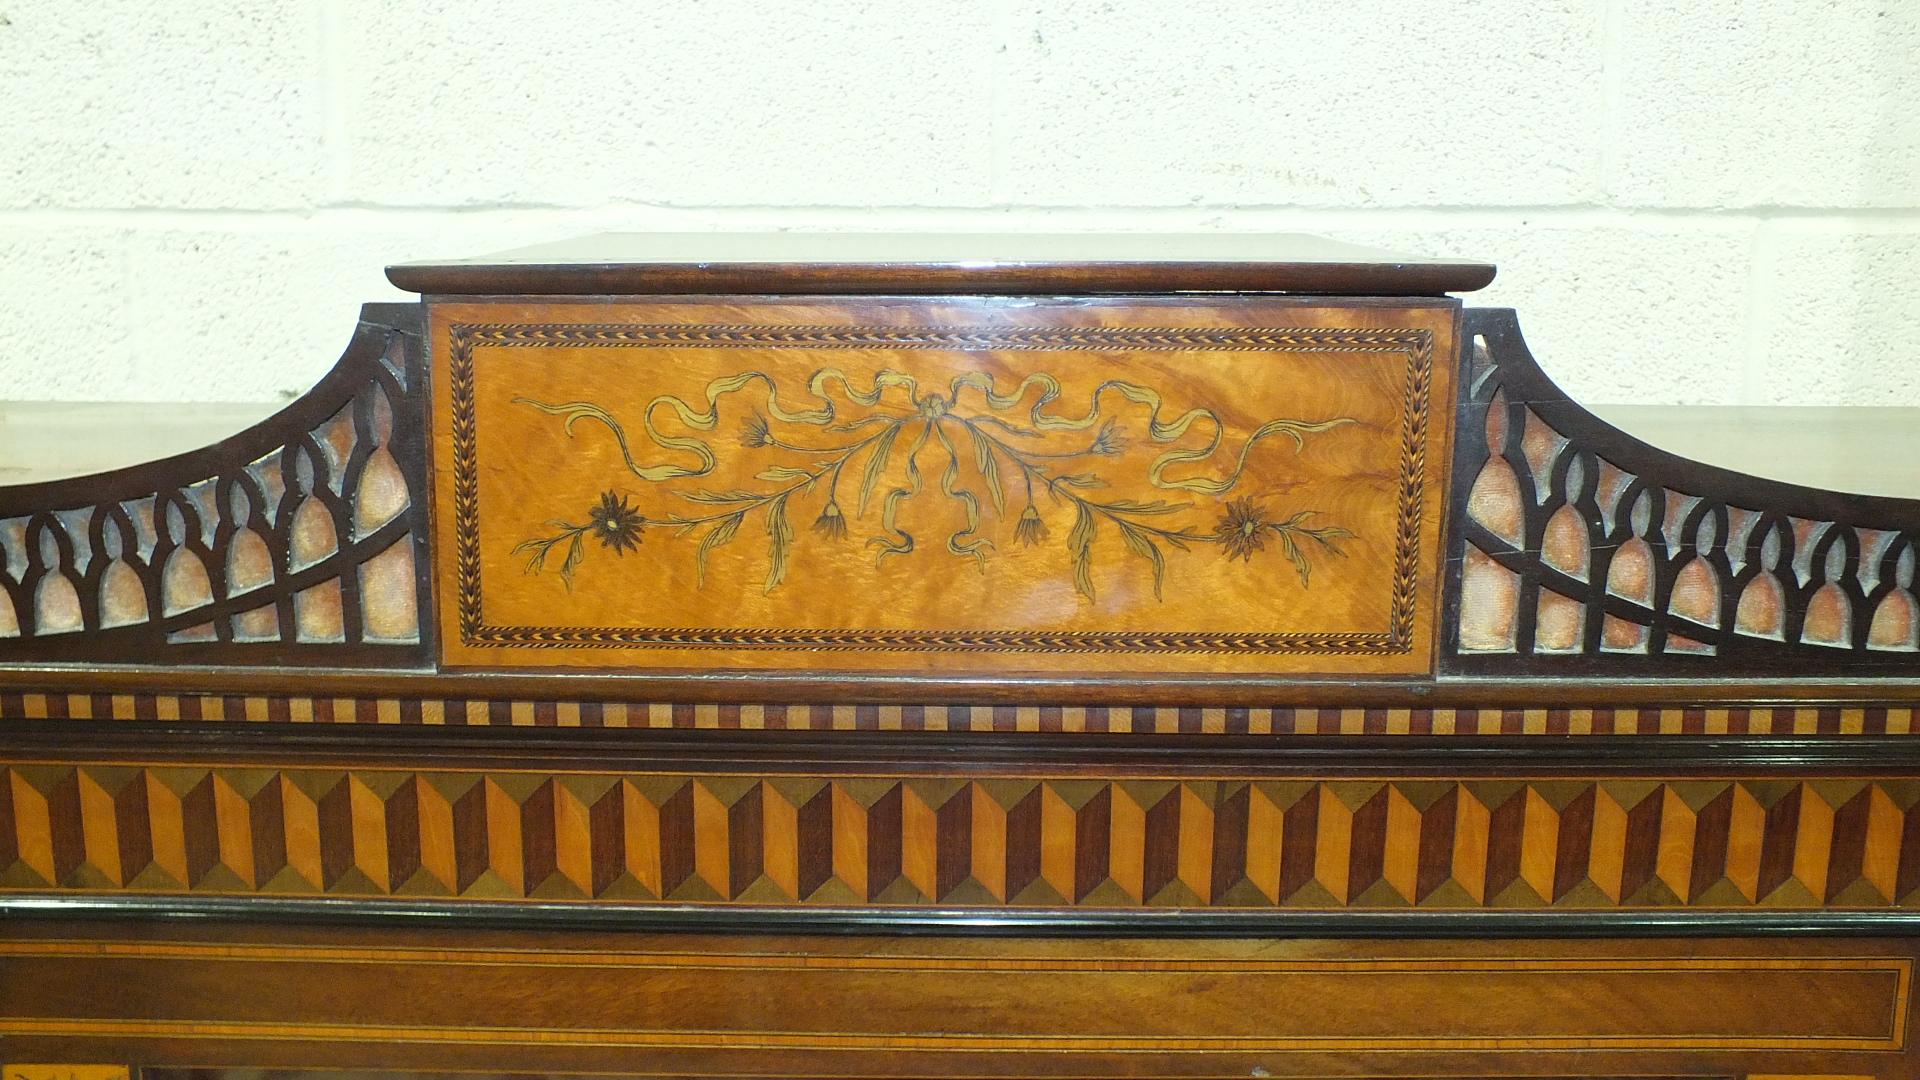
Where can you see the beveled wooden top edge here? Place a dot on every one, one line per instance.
(920, 264)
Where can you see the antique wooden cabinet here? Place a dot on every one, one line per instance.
(953, 656)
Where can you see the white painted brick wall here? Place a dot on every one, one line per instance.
(1692, 201)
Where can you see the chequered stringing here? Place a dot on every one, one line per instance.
(1097, 719)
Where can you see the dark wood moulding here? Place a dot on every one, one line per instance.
(50, 911)
(957, 753)
(934, 263)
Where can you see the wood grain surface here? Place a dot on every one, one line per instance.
(899, 1007)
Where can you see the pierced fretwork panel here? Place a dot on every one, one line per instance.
(301, 537)
(1577, 547)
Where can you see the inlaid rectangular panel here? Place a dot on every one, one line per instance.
(1003, 484)
(866, 1007)
(989, 841)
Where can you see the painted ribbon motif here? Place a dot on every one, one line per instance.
(996, 449)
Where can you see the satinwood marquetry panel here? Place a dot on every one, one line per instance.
(1240, 485)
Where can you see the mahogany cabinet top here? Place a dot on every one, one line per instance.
(928, 263)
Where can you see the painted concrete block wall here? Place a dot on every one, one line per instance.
(1692, 201)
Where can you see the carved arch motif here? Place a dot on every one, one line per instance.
(1576, 548)
(299, 540)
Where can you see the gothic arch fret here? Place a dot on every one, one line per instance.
(191, 529)
(1684, 564)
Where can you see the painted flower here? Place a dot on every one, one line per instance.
(1029, 530)
(616, 524)
(753, 431)
(831, 523)
(1110, 442)
(1242, 529)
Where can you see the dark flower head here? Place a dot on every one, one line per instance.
(831, 523)
(1029, 530)
(1110, 442)
(1242, 530)
(753, 431)
(616, 524)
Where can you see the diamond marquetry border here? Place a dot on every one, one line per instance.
(964, 841)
